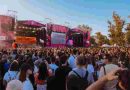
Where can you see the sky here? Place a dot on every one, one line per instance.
(94, 13)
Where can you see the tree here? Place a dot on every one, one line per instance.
(93, 41)
(116, 34)
(101, 39)
(127, 34)
(85, 28)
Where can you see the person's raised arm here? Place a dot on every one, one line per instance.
(98, 85)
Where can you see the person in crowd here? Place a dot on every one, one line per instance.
(79, 78)
(6, 65)
(14, 85)
(2, 72)
(14, 54)
(53, 66)
(78, 62)
(12, 72)
(90, 67)
(34, 70)
(35, 56)
(41, 76)
(14, 45)
(111, 85)
(71, 60)
(59, 80)
(25, 71)
(99, 84)
(124, 77)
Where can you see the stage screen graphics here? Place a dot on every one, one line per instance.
(58, 38)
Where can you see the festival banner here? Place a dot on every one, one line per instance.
(25, 40)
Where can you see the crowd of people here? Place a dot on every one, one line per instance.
(65, 69)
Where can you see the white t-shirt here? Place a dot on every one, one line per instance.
(27, 85)
(110, 85)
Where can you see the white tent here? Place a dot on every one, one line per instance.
(106, 45)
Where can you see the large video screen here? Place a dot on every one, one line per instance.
(58, 38)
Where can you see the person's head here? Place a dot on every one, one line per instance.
(53, 59)
(43, 71)
(25, 71)
(60, 73)
(4, 57)
(107, 59)
(81, 61)
(14, 85)
(63, 60)
(30, 62)
(40, 55)
(48, 59)
(75, 51)
(14, 66)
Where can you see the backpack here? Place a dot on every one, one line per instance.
(95, 76)
(76, 82)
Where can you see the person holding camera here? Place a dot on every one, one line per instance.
(108, 67)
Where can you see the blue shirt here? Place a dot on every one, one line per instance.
(53, 67)
(71, 61)
(10, 75)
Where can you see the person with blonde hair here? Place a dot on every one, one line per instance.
(14, 85)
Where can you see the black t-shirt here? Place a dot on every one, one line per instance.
(58, 82)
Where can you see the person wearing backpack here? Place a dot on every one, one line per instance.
(79, 78)
(12, 73)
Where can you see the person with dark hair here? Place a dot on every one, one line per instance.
(90, 67)
(25, 71)
(41, 76)
(14, 45)
(53, 66)
(110, 85)
(12, 72)
(58, 82)
(79, 78)
(14, 54)
(2, 72)
(34, 70)
(35, 56)
(124, 77)
(71, 60)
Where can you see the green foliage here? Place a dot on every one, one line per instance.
(92, 41)
(101, 39)
(116, 33)
(127, 34)
(85, 28)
